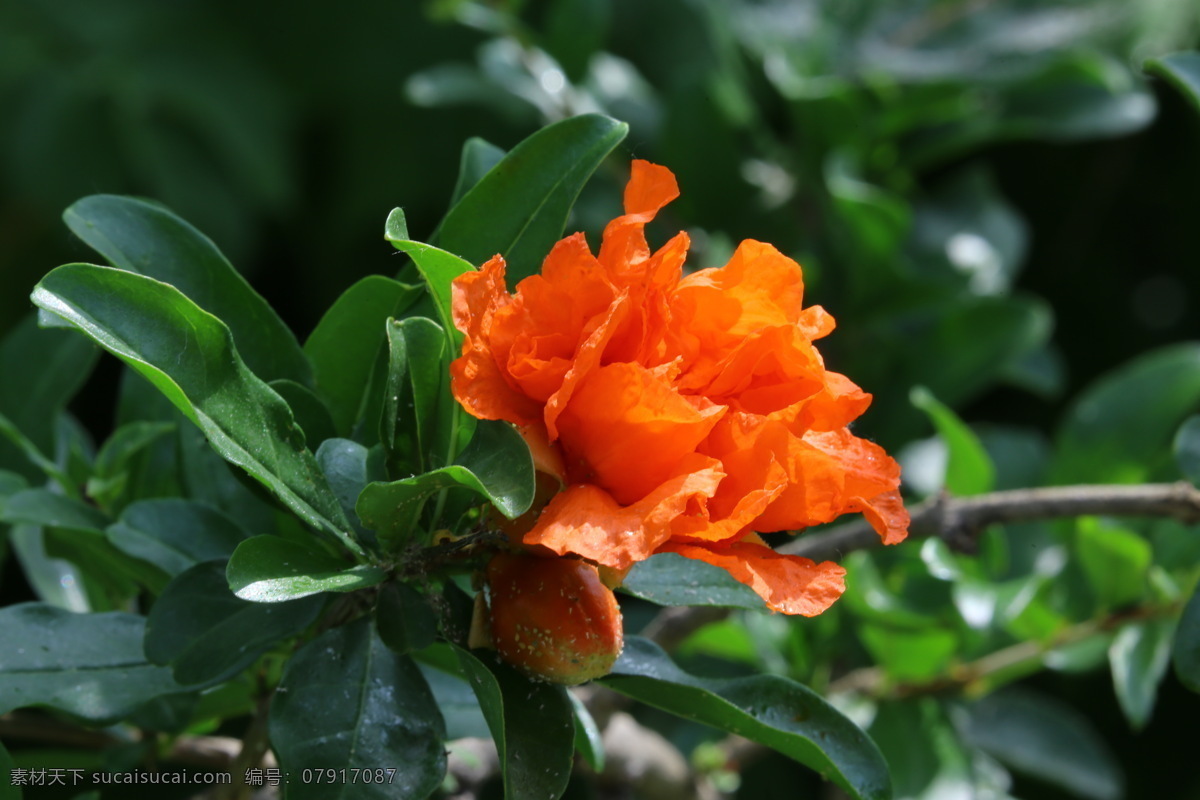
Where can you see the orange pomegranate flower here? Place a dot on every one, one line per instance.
(682, 414)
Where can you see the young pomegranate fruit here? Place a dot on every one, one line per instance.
(553, 618)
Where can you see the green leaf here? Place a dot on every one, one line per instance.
(174, 534)
(478, 158)
(348, 702)
(32, 454)
(910, 655)
(1040, 736)
(934, 763)
(42, 370)
(588, 740)
(769, 709)
(1114, 559)
(438, 267)
(74, 531)
(456, 699)
(207, 635)
(348, 466)
(345, 345)
(89, 665)
(189, 355)
(112, 469)
(669, 579)
(308, 411)
(1186, 655)
(520, 207)
(45, 508)
(496, 464)
(969, 469)
(1181, 70)
(1118, 432)
(1139, 656)
(271, 569)
(55, 581)
(405, 618)
(531, 723)
(419, 412)
(142, 237)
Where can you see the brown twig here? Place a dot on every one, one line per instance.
(959, 520)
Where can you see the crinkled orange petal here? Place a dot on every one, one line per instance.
(537, 336)
(887, 515)
(587, 360)
(627, 429)
(623, 250)
(830, 473)
(547, 457)
(477, 380)
(585, 520)
(789, 584)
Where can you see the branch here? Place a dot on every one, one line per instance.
(960, 520)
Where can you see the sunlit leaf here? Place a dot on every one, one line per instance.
(146, 238)
(769, 709)
(189, 355)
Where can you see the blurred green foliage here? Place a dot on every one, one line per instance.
(991, 198)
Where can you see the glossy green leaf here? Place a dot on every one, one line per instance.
(769, 709)
(405, 618)
(496, 464)
(148, 239)
(345, 345)
(1118, 432)
(208, 478)
(73, 530)
(531, 723)
(1041, 736)
(1181, 70)
(174, 534)
(478, 158)
(207, 635)
(25, 452)
(112, 469)
(1139, 656)
(520, 207)
(348, 702)
(43, 507)
(969, 469)
(308, 411)
(1114, 559)
(669, 579)
(271, 569)
(1186, 653)
(418, 411)
(89, 665)
(55, 581)
(189, 355)
(438, 267)
(42, 370)
(588, 740)
(456, 699)
(348, 466)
